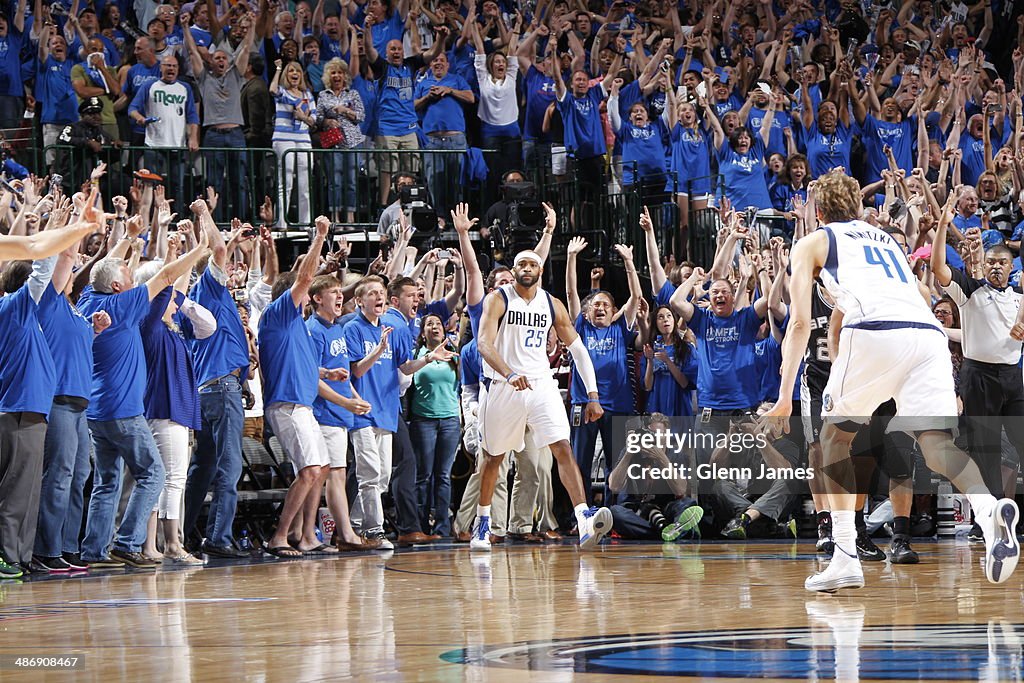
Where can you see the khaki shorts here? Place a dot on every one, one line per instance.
(392, 163)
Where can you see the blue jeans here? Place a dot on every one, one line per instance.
(584, 443)
(342, 166)
(436, 442)
(66, 466)
(630, 525)
(227, 171)
(217, 460)
(128, 439)
(443, 172)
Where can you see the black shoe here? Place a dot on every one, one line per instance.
(825, 543)
(48, 565)
(75, 562)
(137, 560)
(736, 529)
(975, 535)
(900, 551)
(221, 551)
(867, 550)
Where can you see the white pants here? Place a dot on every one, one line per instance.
(51, 133)
(293, 166)
(372, 450)
(172, 441)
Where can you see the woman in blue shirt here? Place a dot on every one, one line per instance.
(295, 115)
(434, 427)
(670, 367)
(643, 143)
(741, 160)
(172, 403)
(689, 162)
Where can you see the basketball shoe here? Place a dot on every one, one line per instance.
(1002, 550)
(593, 523)
(844, 571)
(481, 538)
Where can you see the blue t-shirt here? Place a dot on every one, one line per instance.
(776, 138)
(877, 133)
(119, 361)
(643, 148)
(368, 91)
(27, 375)
(475, 312)
(664, 295)
(379, 386)
(54, 92)
(825, 152)
(287, 355)
(584, 133)
(332, 353)
(227, 349)
(445, 113)
(744, 175)
(469, 364)
(540, 93)
(392, 28)
(608, 347)
(396, 114)
(170, 377)
(728, 377)
(10, 63)
(666, 396)
(69, 335)
(691, 161)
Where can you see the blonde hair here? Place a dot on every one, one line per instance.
(303, 84)
(336, 64)
(837, 197)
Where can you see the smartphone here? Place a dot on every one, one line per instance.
(444, 254)
(612, 26)
(251, 232)
(764, 87)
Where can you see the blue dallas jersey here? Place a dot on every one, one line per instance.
(728, 376)
(287, 355)
(379, 386)
(608, 347)
(331, 353)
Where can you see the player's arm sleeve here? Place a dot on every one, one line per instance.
(584, 366)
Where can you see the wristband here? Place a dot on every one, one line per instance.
(510, 376)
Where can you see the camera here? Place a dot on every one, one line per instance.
(415, 201)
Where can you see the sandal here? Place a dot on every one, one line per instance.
(284, 551)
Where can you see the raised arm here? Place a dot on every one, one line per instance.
(680, 301)
(635, 293)
(474, 277)
(658, 277)
(572, 295)
(940, 269)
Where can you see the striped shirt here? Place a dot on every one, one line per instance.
(287, 128)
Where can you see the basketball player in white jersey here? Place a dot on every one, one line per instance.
(890, 347)
(521, 391)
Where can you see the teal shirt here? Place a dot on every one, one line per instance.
(435, 390)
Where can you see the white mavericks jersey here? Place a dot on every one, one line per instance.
(867, 274)
(522, 339)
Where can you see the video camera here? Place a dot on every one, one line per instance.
(415, 201)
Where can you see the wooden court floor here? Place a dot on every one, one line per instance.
(627, 612)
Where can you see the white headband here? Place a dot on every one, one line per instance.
(528, 254)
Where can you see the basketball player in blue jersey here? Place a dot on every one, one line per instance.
(521, 391)
(889, 348)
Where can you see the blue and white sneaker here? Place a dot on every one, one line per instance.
(481, 539)
(593, 523)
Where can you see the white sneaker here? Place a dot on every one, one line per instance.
(1002, 549)
(481, 539)
(844, 571)
(385, 544)
(593, 524)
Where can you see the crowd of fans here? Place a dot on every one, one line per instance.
(146, 330)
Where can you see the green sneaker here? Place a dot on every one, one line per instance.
(9, 571)
(788, 529)
(687, 520)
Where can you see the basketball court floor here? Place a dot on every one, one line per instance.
(628, 612)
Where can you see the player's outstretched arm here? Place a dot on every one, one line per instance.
(581, 358)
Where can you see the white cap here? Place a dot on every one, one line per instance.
(528, 254)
